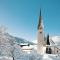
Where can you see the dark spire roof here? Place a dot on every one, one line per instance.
(40, 18)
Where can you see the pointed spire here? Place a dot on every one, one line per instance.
(40, 12)
(40, 18)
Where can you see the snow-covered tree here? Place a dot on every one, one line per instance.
(6, 43)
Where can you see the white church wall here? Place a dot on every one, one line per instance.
(55, 50)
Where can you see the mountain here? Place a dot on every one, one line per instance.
(15, 39)
(6, 37)
(55, 40)
(21, 40)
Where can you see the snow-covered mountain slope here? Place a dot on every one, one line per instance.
(55, 40)
(12, 38)
(21, 40)
(5, 35)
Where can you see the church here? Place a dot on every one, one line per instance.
(44, 43)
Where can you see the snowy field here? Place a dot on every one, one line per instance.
(5, 58)
(33, 57)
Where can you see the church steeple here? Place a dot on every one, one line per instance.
(40, 40)
(40, 21)
(40, 24)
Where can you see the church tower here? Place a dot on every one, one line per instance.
(40, 39)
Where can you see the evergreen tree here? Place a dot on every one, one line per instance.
(48, 43)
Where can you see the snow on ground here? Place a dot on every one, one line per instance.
(5, 58)
(33, 57)
(50, 57)
(18, 54)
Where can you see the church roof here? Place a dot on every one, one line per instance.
(39, 20)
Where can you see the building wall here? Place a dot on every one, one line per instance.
(40, 42)
(54, 49)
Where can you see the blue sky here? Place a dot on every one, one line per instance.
(21, 17)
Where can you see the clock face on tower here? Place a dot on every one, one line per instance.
(40, 30)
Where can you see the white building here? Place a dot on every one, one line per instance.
(43, 45)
